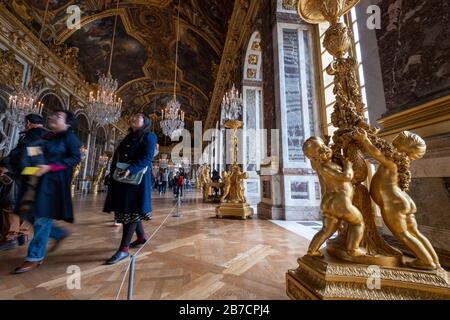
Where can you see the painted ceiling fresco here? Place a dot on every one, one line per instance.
(94, 42)
(144, 59)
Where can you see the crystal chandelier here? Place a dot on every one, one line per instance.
(23, 103)
(232, 104)
(105, 107)
(25, 100)
(172, 118)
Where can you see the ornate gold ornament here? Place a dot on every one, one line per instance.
(342, 169)
(253, 59)
(206, 181)
(233, 198)
(11, 71)
(251, 73)
(290, 4)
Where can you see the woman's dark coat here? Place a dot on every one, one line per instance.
(138, 151)
(53, 194)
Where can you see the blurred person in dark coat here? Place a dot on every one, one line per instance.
(53, 199)
(16, 230)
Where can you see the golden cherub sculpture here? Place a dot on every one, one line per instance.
(233, 186)
(337, 198)
(388, 190)
(226, 186)
(206, 182)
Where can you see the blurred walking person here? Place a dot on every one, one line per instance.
(16, 231)
(53, 199)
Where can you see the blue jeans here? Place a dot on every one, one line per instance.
(43, 230)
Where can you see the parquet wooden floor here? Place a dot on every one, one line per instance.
(193, 257)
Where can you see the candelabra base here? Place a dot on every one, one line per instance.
(328, 278)
(236, 210)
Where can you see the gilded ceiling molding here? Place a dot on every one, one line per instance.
(212, 41)
(182, 81)
(239, 30)
(122, 12)
(25, 44)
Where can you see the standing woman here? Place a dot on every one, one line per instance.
(132, 203)
(53, 199)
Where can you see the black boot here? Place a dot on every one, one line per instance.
(117, 257)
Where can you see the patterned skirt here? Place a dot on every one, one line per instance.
(128, 218)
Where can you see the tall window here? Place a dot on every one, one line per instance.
(327, 83)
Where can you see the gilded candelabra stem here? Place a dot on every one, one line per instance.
(344, 160)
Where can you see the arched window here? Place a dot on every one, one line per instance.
(99, 147)
(3, 126)
(51, 102)
(83, 134)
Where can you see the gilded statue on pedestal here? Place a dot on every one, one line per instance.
(233, 186)
(198, 179)
(234, 202)
(337, 198)
(98, 179)
(206, 182)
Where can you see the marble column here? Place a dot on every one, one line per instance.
(290, 188)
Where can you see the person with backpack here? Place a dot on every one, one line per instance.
(15, 230)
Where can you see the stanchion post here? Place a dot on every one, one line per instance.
(131, 279)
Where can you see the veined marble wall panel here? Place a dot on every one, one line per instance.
(293, 94)
(297, 92)
(250, 126)
(414, 51)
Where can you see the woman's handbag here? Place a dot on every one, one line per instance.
(134, 179)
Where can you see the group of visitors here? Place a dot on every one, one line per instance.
(39, 191)
(162, 182)
(35, 185)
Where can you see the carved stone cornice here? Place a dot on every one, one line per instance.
(240, 26)
(25, 44)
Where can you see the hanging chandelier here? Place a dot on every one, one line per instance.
(232, 104)
(105, 107)
(25, 99)
(172, 117)
(23, 103)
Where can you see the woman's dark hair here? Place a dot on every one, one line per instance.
(70, 118)
(34, 118)
(146, 128)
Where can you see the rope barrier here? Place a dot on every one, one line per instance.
(131, 264)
